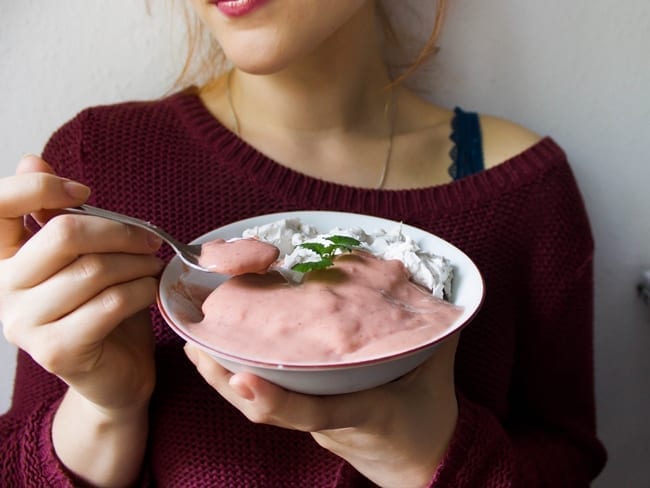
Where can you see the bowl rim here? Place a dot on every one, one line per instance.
(293, 366)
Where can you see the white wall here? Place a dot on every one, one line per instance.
(57, 58)
(577, 70)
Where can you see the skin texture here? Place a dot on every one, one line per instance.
(73, 295)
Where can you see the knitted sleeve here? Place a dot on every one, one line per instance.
(26, 453)
(548, 437)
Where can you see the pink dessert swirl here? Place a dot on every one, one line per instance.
(360, 308)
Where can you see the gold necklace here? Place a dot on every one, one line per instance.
(389, 115)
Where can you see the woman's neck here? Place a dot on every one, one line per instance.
(333, 114)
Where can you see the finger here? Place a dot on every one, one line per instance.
(89, 324)
(33, 164)
(24, 194)
(277, 406)
(66, 237)
(308, 413)
(75, 285)
(30, 191)
(266, 403)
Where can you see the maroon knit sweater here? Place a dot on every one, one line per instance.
(524, 365)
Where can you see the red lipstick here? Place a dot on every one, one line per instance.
(238, 8)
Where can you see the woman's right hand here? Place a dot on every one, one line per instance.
(73, 294)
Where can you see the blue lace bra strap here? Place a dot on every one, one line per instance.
(467, 151)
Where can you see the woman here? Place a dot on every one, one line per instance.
(308, 118)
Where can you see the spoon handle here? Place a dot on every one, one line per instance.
(125, 219)
(189, 253)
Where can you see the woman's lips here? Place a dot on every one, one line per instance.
(238, 8)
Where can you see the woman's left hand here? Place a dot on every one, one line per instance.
(395, 435)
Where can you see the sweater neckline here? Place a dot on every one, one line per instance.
(227, 148)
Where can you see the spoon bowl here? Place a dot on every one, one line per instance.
(188, 253)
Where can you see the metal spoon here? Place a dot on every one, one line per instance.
(189, 253)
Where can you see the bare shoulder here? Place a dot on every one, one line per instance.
(503, 139)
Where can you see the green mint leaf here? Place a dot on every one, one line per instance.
(317, 247)
(326, 253)
(308, 266)
(344, 241)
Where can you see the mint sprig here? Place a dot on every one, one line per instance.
(326, 252)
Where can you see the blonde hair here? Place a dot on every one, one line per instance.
(205, 60)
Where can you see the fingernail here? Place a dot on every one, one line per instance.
(76, 190)
(241, 389)
(154, 241)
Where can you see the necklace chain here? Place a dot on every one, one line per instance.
(232, 105)
(389, 115)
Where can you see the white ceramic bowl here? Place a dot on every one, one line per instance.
(468, 291)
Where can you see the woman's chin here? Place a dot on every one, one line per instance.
(260, 63)
(261, 55)
(261, 68)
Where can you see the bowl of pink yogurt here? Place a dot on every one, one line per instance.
(376, 298)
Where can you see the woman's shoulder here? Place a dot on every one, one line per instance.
(128, 119)
(501, 139)
(118, 126)
(504, 140)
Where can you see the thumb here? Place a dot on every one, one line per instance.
(31, 163)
